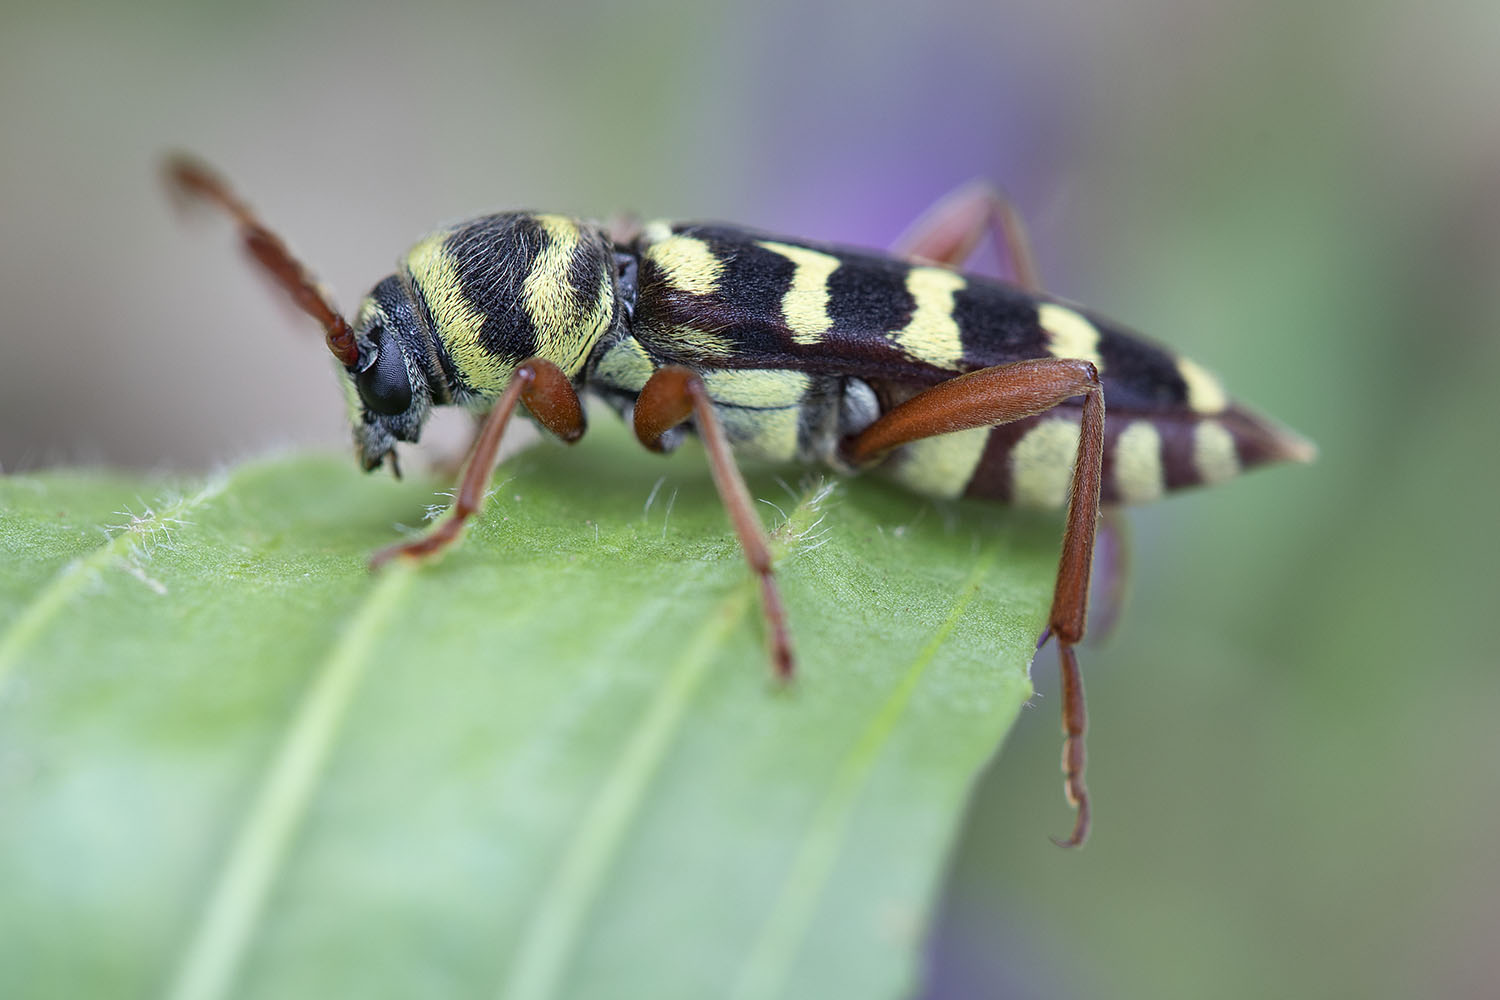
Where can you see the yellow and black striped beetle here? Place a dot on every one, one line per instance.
(787, 350)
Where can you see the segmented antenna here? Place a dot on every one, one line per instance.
(187, 176)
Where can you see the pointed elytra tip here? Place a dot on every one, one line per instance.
(1262, 439)
(1296, 448)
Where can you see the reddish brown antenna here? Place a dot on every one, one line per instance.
(189, 176)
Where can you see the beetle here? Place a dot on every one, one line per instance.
(787, 350)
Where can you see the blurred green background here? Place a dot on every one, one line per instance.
(1294, 753)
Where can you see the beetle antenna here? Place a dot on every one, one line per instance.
(189, 176)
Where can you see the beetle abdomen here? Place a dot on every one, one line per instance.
(1029, 463)
(721, 297)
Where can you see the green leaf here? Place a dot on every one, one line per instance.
(234, 763)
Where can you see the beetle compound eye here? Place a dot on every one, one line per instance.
(384, 386)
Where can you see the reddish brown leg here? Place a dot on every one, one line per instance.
(671, 396)
(999, 395)
(948, 232)
(1075, 718)
(550, 397)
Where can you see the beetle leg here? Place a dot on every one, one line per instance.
(550, 397)
(671, 396)
(948, 232)
(999, 395)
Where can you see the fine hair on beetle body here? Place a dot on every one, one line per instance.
(787, 351)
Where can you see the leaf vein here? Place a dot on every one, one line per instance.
(541, 960)
(770, 959)
(237, 901)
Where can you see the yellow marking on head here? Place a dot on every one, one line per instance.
(626, 365)
(1214, 454)
(1041, 464)
(370, 313)
(1205, 393)
(940, 466)
(1138, 466)
(352, 403)
(1069, 334)
(932, 335)
(805, 304)
(457, 319)
(687, 264)
(758, 388)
